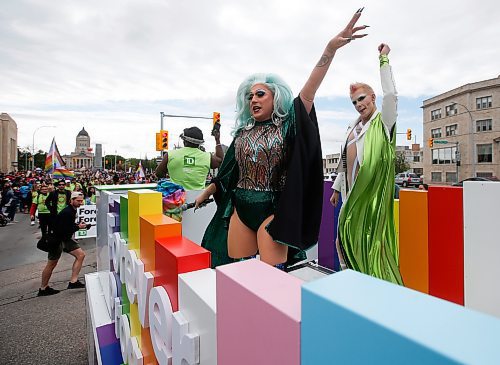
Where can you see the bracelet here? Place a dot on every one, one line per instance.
(383, 59)
(306, 99)
(218, 144)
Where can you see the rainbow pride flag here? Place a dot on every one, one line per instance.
(53, 160)
(62, 173)
(140, 172)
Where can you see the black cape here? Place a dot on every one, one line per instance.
(297, 218)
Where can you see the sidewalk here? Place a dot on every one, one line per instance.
(44, 330)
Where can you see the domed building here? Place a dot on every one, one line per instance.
(82, 158)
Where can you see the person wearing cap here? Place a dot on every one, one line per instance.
(189, 166)
(65, 227)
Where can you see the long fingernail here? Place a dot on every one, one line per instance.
(366, 26)
(360, 10)
(357, 11)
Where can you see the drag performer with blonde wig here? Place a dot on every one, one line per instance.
(269, 187)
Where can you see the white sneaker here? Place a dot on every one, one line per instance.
(32, 223)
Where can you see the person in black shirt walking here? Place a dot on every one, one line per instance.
(64, 228)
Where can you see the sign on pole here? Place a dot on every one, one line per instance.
(88, 215)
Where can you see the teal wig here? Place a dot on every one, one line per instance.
(283, 99)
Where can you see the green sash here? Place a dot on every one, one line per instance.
(366, 223)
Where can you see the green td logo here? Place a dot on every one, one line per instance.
(189, 161)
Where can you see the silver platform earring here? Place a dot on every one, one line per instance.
(250, 123)
(276, 120)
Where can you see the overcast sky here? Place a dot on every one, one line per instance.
(113, 66)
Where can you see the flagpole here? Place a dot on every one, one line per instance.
(33, 145)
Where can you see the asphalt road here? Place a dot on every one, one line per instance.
(39, 330)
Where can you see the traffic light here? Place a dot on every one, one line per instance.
(431, 142)
(216, 117)
(158, 141)
(164, 140)
(408, 134)
(216, 124)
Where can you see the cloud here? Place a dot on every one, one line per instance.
(113, 66)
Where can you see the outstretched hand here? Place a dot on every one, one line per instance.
(348, 34)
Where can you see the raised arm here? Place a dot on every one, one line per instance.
(318, 73)
(216, 159)
(390, 99)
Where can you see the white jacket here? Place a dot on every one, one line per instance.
(389, 116)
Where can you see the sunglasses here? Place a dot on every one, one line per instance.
(260, 93)
(359, 99)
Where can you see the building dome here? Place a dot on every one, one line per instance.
(83, 132)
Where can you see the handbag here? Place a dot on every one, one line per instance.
(47, 243)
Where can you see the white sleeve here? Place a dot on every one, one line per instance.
(337, 184)
(390, 100)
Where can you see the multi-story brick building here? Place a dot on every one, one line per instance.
(462, 124)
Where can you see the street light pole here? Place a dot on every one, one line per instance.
(471, 139)
(33, 145)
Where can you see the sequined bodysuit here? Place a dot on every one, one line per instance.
(260, 153)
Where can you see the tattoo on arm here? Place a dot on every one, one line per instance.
(324, 60)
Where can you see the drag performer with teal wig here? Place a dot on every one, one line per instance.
(366, 239)
(269, 187)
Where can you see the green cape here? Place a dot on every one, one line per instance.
(366, 224)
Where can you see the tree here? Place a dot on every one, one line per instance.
(401, 164)
(40, 159)
(24, 159)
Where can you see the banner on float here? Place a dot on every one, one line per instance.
(88, 215)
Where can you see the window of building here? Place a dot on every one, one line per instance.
(451, 177)
(436, 114)
(451, 130)
(484, 153)
(484, 174)
(441, 156)
(447, 155)
(444, 156)
(416, 158)
(484, 125)
(436, 133)
(436, 176)
(451, 110)
(483, 102)
(435, 156)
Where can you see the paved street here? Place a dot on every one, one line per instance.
(39, 330)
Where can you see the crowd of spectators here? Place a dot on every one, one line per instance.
(19, 189)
